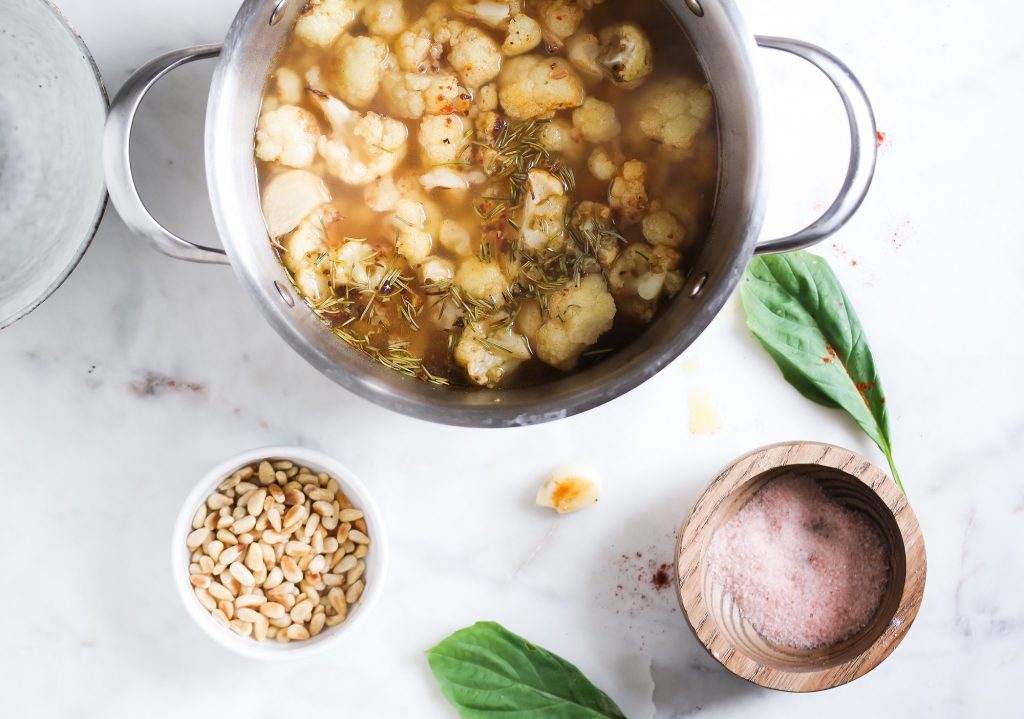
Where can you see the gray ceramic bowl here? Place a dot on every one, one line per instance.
(52, 110)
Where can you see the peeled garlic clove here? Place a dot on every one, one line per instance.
(570, 489)
(289, 197)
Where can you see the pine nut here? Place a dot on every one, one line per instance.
(217, 500)
(240, 627)
(227, 537)
(243, 525)
(224, 521)
(297, 631)
(311, 525)
(255, 504)
(272, 536)
(229, 555)
(291, 571)
(316, 624)
(294, 515)
(349, 515)
(240, 572)
(205, 599)
(297, 549)
(355, 573)
(324, 509)
(293, 497)
(336, 597)
(244, 487)
(254, 557)
(358, 537)
(219, 591)
(250, 600)
(274, 578)
(334, 580)
(302, 611)
(227, 607)
(214, 548)
(360, 551)
(200, 580)
(196, 538)
(199, 517)
(260, 628)
(266, 473)
(272, 610)
(353, 593)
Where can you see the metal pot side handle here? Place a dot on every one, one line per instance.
(117, 157)
(863, 146)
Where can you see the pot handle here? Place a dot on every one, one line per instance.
(863, 146)
(117, 157)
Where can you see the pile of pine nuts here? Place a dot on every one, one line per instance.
(278, 552)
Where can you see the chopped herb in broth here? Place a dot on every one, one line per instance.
(486, 193)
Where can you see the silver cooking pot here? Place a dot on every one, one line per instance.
(725, 50)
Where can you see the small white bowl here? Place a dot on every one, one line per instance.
(376, 558)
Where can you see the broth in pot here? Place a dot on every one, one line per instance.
(486, 193)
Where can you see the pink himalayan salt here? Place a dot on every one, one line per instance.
(804, 570)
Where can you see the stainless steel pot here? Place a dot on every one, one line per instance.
(725, 50)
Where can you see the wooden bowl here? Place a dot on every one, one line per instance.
(715, 618)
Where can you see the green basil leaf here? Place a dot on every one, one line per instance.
(487, 671)
(800, 314)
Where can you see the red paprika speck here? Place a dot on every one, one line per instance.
(853, 263)
(827, 360)
(661, 577)
(880, 137)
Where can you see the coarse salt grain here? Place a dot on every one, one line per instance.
(804, 570)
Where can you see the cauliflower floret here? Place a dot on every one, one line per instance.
(322, 21)
(640, 276)
(604, 163)
(529, 319)
(411, 96)
(533, 86)
(576, 319)
(626, 54)
(416, 51)
(305, 255)
(287, 135)
(475, 56)
(596, 121)
(559, 18)
(385, 17)
(675, 112)
(524, 34)
(594, 221)
(582, 50)
(482, 280)
(487, 98)
(454, 237)
(358, 68)
(442, 139)
(628, 192)
(489, 354)
(662, 228)
(492, 13)
(382, 194)
(543, 221)
(289, 197)
(436, 270)
(290, 88)
(355, 263)
(360, 148)
(557, 135)
(412, 241)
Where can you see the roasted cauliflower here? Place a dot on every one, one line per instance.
(559, 136)
(287, 135)
(640, 275)
(412, 240)
(524, 34)
(675, 112)
(533, 86)
(662, 228)
(361, 148)
(604, 163)
(596, 121)
(490, 352)
(543, 221)
(410, 95)
(443, 140)
(358, 68)
(628, 192)
(385, 17)
(306, 256)
(582, 50)
(475, 56)
(559, 18)
(482, 280)
(576, 319)
(626, 54)
(323, 21)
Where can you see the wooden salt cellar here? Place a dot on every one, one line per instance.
(714, 617)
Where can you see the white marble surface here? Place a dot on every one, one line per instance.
(142, 372)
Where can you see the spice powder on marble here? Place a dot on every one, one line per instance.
(804, 570)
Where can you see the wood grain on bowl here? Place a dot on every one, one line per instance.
(713, 615)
